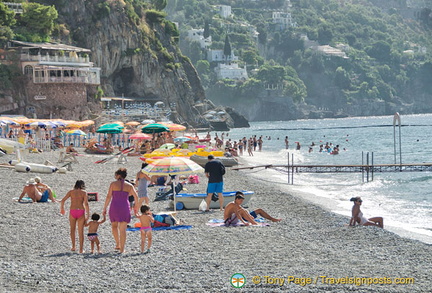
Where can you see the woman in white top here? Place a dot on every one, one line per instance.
(357, 215)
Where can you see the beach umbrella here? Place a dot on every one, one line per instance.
(37, 124)
(181, 139)
(154, 128)
(76, 132)
(59, 123)
(147, 121)
(133, 123)
(110, 128)
(167, 146)
(174, 127)
(9, 122)
(139, 135)
(172, 166)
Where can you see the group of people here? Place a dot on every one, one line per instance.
(118, 208)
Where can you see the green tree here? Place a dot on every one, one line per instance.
(203, 67)
(341, 78)
(227, 46)
(379, 50)
(38, 18)
(206, 29)
(159, 4)
(7, 17)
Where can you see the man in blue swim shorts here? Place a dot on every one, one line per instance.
(234, 213)
(214, 171)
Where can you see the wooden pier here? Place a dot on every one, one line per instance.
(366, 169)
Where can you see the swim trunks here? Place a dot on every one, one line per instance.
(215, 187)
(92, 236)
(76, 214)
(45, 196)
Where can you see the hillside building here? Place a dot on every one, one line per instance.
(55, 76)
(224, 11)
(231, 71)
(282, 20)
(218, 56)
(197, 35)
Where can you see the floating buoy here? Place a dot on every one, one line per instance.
(21, 167)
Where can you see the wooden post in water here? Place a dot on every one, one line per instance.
(288, 167)
(363, 167)
(367, 170)
(292, 171)
(396, 118)
(372, 169)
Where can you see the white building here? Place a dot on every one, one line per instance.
(224, 11)
(218, 56)
(197, 35)
(282, 20)
(231, 71)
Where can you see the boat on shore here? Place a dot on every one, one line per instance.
(202, 160)
(191, 201)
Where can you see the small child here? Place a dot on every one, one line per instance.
(146, 219)
(92, 231)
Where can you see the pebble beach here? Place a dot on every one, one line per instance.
(311, 250)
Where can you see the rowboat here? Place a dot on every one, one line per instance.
(227, 161)
(192, 201)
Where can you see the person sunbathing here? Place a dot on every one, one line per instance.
(71, 150)
(357, 215)
(44, 189)
(234, 213)
(31, 191)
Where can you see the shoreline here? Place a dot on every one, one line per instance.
(310, 242)
(328, 204)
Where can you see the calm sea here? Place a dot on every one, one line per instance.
(403, 199)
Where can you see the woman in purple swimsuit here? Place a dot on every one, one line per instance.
(119, 212)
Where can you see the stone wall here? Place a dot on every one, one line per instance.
(60, 100)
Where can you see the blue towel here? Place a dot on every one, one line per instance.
(178, 227)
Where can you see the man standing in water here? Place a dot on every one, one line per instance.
(214, 171)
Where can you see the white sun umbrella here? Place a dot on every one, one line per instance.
(172, 166)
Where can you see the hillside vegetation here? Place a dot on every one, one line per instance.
(387, 65)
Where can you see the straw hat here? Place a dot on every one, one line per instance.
(31, 181)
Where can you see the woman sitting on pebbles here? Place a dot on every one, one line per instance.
(119, 212)
(357, 215)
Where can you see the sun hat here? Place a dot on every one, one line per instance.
(31, 181)
(37, 179)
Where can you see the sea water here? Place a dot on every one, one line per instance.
(404, 199)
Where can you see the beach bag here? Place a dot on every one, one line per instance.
(215, 197)
(164, 220)
(193, 179)
(203, 206)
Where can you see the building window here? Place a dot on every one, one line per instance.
(28, 70)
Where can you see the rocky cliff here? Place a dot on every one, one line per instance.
(137, 56)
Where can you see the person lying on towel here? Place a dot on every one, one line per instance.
(234, 213)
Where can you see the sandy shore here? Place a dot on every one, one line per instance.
(309, 243)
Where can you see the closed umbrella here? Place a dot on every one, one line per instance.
(172, 166)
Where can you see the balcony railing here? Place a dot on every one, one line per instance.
(57, 59)
(67, 79)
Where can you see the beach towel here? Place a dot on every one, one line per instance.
(221, 223)
(23, 200)
(178, 227)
